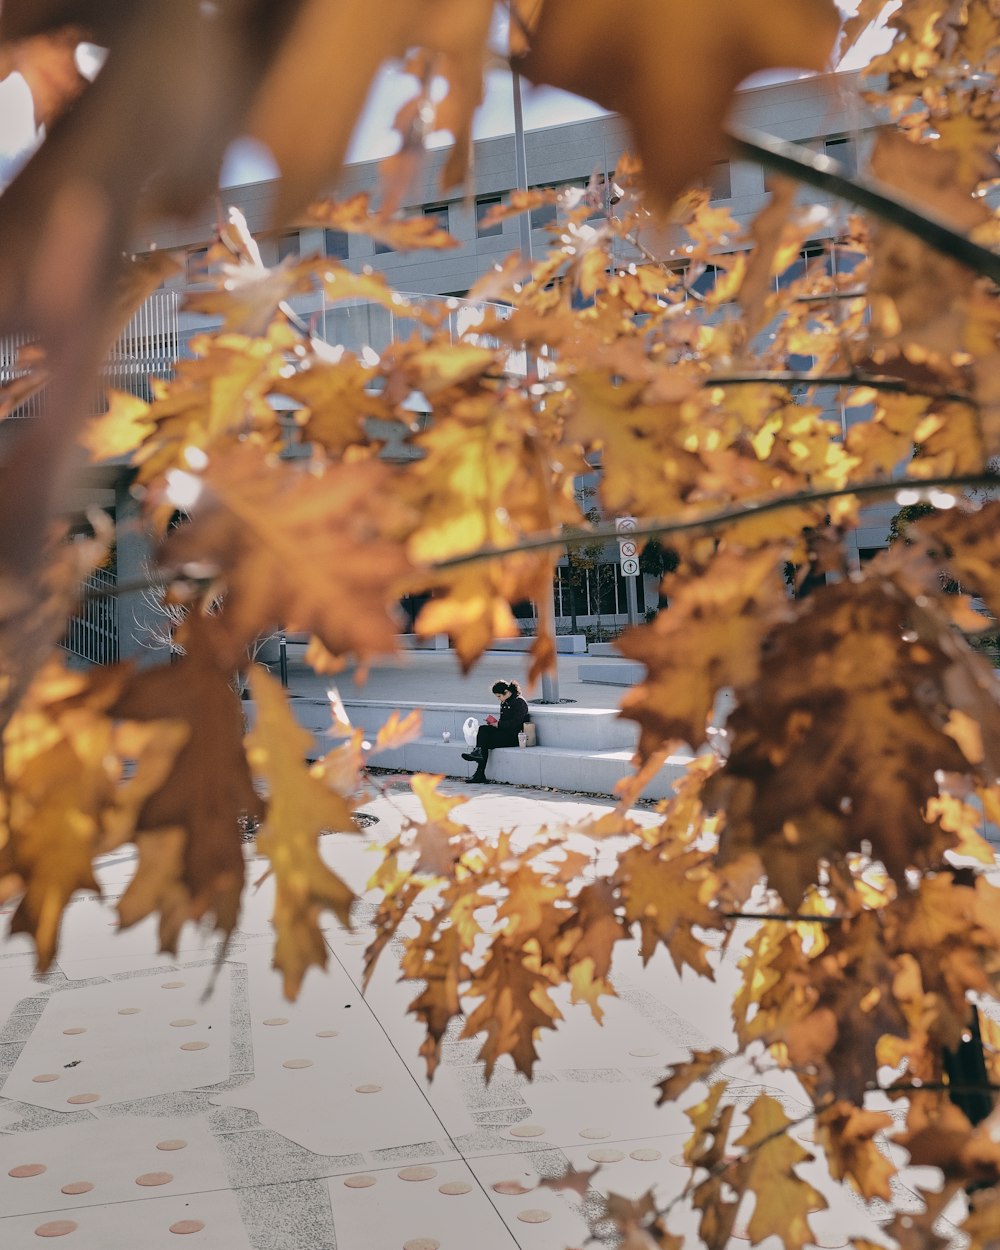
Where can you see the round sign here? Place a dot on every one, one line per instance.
(625, 524)
(630, 568)
(628, 548)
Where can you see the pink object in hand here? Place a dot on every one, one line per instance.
(491, 720)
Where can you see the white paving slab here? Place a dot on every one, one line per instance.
(120, 1160)
(102, 1044)
(329, 1079)
(203, 1220)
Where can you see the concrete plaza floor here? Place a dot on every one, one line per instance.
(136, 1112)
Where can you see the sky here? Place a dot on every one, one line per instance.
(374, 137)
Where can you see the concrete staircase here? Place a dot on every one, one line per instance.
(585, 750)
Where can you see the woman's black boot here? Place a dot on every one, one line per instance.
(478, 776)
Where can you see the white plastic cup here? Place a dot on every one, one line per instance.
(522, 739)
(446, 736)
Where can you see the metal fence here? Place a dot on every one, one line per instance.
(92, 632)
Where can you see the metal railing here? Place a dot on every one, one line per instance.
(92, 631)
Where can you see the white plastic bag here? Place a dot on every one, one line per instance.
(470, 729)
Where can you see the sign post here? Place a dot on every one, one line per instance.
(628, 552)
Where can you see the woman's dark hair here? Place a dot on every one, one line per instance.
(502, 687)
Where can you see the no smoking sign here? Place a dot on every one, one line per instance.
(628, 547)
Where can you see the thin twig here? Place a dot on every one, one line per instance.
(710, 521)
(788, 918)
(828, 175)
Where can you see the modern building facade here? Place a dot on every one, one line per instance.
(819, 111)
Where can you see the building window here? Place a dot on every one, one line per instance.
(196, 265)
(382, 249)
(438, 213)
(484, 206)
(545, 214)
(336, 244)
(288, 247)
(842, 149)
(720, 181)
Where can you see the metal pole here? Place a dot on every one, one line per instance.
(283, 659)
(632, 598)
(550, 681)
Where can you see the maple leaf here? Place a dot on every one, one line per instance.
(397, 731)
(206, 791)
(814, 770)
(438, 840)
(65, 799)
(784, 1201)
(683, 1075)
(435, 957)
(709, 639)
(848, 1135)
(251, 295)
(668, 896)
(336, 401)
(703, 50)
(587, 942)
(300, 807)
(516, 1005)
(126, 425)
(267, 528)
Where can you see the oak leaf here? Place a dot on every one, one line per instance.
(669, 896)
(683, 1075)
(300, 808)
(848, 1134)
(703, 49)
(784, 1201)
(397, 731)
(709, 639)
(311, 551)
(207, 789)
(516, 1005)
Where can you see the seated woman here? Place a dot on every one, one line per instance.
(514, 713)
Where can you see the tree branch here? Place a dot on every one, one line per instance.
(787, 918)
(710, 521)
(877, 382)
(799, 163)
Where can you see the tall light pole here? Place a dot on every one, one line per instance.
(550, 683)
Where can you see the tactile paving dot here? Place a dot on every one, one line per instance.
(194, 1046)
(328, 1033)
(297, 1063)
(830, 1241)
(172, 1143)
(512, 1188)
(595, 1134)
(43, 1078)
(645, 1155)
(421, 1173)
(605, 1156)
(274, 1021)
(643, 1052)
(184, 1023)
(129, 1011)
(149, 1180)
(73, 1032)
(534, 1215)
(77, 1187)
(79, 1100)
(56, 1228)
(368, 1089)
(422, 1243)
(527, 1130)
(187, 1226)
(172, 985)
(25, 1170)
(360, 1181)
(455, 1188)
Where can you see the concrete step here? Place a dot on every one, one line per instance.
(566, 644)
(612, 673)
(585, 772)
(564, 727)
